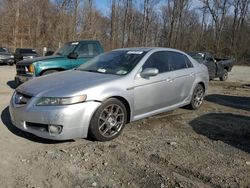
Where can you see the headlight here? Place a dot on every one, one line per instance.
(11, 56)
(56, 101)
(31, 69)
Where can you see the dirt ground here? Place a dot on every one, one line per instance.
(209, 147)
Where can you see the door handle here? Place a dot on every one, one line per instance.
(169, 79)
(192, 74)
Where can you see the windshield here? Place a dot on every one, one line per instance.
(27, 51)
(114, 62)
(66, 48)
(3, 50)
(197, 55)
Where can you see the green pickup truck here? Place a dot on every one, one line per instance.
(69, 56)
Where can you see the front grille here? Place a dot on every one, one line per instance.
(37, 126)
(21, 99)
(20, 69)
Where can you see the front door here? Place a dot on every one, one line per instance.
(154, 92)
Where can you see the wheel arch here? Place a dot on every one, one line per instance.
(57, 69)
(203, 85)
(126, 104)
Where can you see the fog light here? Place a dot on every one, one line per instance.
(55, 129)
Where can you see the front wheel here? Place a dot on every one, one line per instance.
(108, 121)
(224, 77)
(197, 98)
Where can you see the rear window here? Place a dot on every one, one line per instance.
(28, 51)
(198, 56)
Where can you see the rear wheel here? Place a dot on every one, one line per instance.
(49, 72)
(224, 77)
(108, 121)
(197, 98)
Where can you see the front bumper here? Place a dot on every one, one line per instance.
(7, 61)
(74, 119)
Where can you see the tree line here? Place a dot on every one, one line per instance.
(219, 26)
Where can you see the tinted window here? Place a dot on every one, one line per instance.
(198, 56)
(188, 62)
(87, 49)
(66, 49)
(209, 57)
(158, 60)
(176, 61)
(27, 51)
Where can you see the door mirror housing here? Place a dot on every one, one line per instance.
(73, 55)
(148, 72)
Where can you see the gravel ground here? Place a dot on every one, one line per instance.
(205, 148)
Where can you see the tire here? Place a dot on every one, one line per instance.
(108, 121)
(224, 76)
(197, 97)
(49, 72)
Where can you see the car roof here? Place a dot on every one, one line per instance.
(26, 49)
(146, 49)
(85, 40)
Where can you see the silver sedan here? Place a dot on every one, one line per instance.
(98, 98)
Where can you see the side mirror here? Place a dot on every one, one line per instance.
(148, 72)
(73, 55)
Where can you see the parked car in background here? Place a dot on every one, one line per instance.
(99, 97)
(24, 53)
(6, 57)
(69, 56)
(217, 67)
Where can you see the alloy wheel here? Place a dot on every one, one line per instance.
(111, 120)
(198, 97)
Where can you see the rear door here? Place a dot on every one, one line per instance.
(183, 76)
(85, 51)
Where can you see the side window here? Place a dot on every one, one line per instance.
(209, 57)
(176, 61)
(87, 49)
(188, 62)
(158, 60)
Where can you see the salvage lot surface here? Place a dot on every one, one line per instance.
(205, 148)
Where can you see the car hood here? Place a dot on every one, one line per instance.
(40, 59)
(64, 84)
(5, 54)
